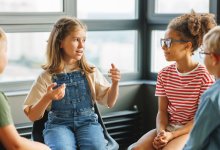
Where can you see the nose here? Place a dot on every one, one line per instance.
(81, 43)
(164, 47)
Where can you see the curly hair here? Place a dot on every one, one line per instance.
(193, 26)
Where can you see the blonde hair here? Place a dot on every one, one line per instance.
(212, 40)
(62, 28)
(193, 26)
(2, 34)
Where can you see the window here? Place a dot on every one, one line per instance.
(26, 54)
(104, 48)
(176, 6)
(31, 6)
(99, 9)
(113, 34)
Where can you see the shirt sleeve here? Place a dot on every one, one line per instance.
(38, 89)
(207, 119)
(160, 91)
(101, 87)
(5, 111)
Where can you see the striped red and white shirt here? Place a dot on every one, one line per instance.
(183, 91)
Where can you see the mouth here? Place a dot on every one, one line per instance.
(79, 51)
(166, 54)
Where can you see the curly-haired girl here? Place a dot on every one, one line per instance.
(180, 85)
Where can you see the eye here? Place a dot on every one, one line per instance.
(168, 42)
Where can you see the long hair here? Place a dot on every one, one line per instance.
(2, 34)
(62, 28)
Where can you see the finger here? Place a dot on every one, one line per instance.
(114, 72)
(113, 66)
(114, 77)
(51, 86)
(61, 87)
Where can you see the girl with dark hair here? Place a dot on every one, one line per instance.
(180, 85)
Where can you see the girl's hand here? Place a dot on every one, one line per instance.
(160, 140)
(114, 73)
(55, 94)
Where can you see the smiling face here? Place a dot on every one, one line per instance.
(73, 46)
(177, 50)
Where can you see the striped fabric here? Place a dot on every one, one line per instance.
(183, 91)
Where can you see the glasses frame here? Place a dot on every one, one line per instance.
(202, 53)
(168, 42)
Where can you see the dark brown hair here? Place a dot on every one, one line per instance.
(193, 26)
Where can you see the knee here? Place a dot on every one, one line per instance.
(97, 146)
(134, 147)
(60, 146)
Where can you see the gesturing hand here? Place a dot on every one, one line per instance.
(114, 73)
(55, 94)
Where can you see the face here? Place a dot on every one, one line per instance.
(3, 55)
(73, 46)
(208, 59)
(174, 47)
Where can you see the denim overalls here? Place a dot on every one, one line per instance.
(72, 123)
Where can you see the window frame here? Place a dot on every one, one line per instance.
(42, 22)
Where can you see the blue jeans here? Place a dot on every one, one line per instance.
(72, 123)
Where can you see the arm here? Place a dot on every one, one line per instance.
(162, 114)
(203, 128)
(184, 130)
(113, 90)
(12, 140)
(162, 121)
(36, 111)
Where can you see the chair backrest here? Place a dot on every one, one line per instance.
(38, 127)
(2, 147)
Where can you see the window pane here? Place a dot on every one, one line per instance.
(158, 60)
(26, 54)
(118, 47)
(31, 6)
(99, 9)
(177, 6)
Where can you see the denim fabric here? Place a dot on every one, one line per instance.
(72, 123)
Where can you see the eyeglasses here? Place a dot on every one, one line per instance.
(168, 42)
(202, 52)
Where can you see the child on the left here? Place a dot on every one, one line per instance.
(9, 137)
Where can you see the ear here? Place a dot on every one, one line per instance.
(215, 59)
(189, 45)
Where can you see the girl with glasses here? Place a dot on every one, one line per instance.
(180, 85)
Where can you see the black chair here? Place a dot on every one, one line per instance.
(38, 127)
(2, 147)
